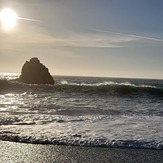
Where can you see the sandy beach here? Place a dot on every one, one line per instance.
(21, 152)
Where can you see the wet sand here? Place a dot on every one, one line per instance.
(34, 153)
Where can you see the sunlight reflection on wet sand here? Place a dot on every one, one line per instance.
(20, 152)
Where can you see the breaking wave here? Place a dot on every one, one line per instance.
(83, 112)
(110, 88)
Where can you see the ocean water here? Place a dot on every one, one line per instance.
(83, 111)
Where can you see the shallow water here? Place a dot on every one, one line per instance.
(83, 111)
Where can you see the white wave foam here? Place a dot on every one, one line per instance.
(105, 83)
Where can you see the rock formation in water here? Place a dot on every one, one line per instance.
(34, 72)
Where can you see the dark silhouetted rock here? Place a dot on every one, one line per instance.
(34, 72)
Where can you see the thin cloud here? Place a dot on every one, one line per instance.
(38, 36)
(140, 37)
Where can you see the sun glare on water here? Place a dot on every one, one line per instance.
(8, 18)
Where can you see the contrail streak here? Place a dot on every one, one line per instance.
(33, 20)
(132, 35)
(147, 38)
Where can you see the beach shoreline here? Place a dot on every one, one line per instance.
(22, 152)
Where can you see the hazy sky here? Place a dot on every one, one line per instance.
(112, 38)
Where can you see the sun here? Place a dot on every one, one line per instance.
(8, 18)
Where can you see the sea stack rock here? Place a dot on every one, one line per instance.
(34, 72)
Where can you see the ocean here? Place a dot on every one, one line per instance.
(83, 111)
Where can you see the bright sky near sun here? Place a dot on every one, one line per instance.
(112, 38)
(8, 18)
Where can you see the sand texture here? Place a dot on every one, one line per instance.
(32, 153)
